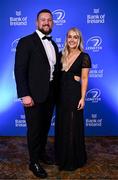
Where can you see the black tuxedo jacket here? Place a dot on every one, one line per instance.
(32, 69)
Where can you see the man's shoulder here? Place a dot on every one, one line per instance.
(28, 37)
(26, 41)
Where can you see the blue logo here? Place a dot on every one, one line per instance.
(93, 95)
(58, 16)
(53, 120)
(94, 43)
(14, 44)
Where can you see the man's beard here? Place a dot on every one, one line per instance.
(45, 32)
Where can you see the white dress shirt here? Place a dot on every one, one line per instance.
(50, 51)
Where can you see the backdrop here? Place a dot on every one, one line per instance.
(97, 19)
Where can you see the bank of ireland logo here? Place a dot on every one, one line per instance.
(59, 16)
(94, 43)
(14, 44)
(93, 95)
(18, 13)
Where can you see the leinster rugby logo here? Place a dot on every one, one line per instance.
(59, 16)
(94, 43)
(53, 121)
(93, 95)
(14, 44)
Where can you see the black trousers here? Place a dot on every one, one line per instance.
(38, 119)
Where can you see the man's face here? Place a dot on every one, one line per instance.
(45, 23)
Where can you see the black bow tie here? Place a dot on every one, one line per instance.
(49, 38)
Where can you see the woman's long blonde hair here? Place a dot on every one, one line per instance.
(65, 51)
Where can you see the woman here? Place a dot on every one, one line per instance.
(69, 128)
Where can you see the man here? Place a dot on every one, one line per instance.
(35, 74)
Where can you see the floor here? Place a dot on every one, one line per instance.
(102, 160)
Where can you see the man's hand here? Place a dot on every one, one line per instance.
(27, 101)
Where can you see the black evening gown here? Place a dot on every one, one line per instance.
(70, 152)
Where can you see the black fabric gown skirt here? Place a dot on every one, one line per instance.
(70, 151)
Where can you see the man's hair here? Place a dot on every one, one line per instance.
(44, 11)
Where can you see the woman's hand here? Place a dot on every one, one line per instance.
(81, 104)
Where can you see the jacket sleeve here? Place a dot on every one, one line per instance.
(21, 68)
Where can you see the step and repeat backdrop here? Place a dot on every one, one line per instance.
(98, 21)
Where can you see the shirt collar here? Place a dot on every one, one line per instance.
(40, 34)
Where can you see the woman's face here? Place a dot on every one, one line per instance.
(72, 40)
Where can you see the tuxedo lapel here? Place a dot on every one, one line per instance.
(56, 49)
(39, 46)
